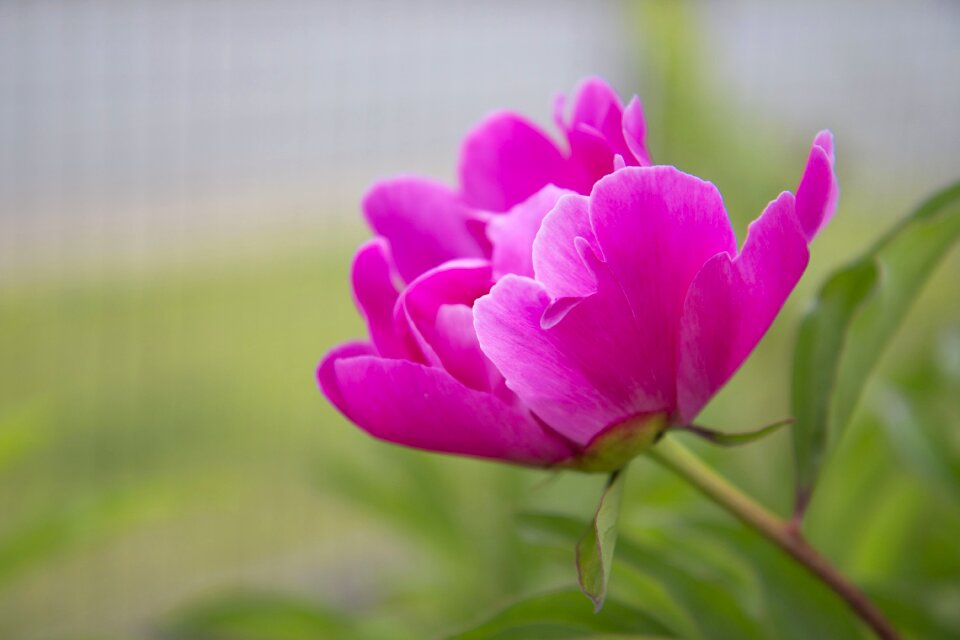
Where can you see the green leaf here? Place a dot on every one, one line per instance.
(725, 439)
(595, 548)
(816, 363)
(856, 313)
(913, 445)
(565, 614)
(907, 256)
(702, 599)
(796, 605)
(253, 616)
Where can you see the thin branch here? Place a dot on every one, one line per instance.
(784, 534)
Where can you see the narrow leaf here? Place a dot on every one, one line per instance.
(856, 314)
(816, 362)
(595, 548)
(907, 257)
(725, 439)
(565, 614)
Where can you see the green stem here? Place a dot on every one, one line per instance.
(786, 535)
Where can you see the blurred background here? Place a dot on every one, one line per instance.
(179, 188)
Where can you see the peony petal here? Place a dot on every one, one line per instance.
(424, 221)
(818, 190)
(598, 107)
(441, 341)
(506, 159)
(594, 104)
(373, 276)
(585, 372)
(426, 408)
(556, 261)
(512, 234)
(559, 111)
(596, 134)
(635, 131)
(656, 227)
(733, 301)
(327, 377)
(455, 343)
(591, 157)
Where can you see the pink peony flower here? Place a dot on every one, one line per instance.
(563, 306)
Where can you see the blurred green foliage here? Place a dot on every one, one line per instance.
(169, 469)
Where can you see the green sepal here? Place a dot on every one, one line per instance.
(614, 448)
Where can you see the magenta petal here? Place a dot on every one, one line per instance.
(635, 131)
(506, 159)
(594, 103)
(595, 134)
(443, 338)
(454, 340)
(426, 408)
(656, 227)
(818, 190)
(582, 374)
(733, 301)
(327, 377)
(425, 222)
(556, 261)
(373, 276)
(512, 234)
(591, 157)
(598, 107)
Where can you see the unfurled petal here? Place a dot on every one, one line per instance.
(818, 191)
(556, 261)
(595, 134)
(512, 234)
(454, 340)
(585, 372)
(597, 107)
(327, 377)
(375, 291)
(591, 158)
(426, 408)
(656, 227)
(635, 132)
(435, 314)
(734, 300)
(425, 222)
(506, 159)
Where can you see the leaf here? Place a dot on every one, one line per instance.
(913, 446)
(816, 365)
(796, 605)
(595, 548)
(252, 616)
(907, 255)
(856, 313)
(725, 439)
(565, 614)
(703, 600)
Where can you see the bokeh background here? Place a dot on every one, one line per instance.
(179, 188)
